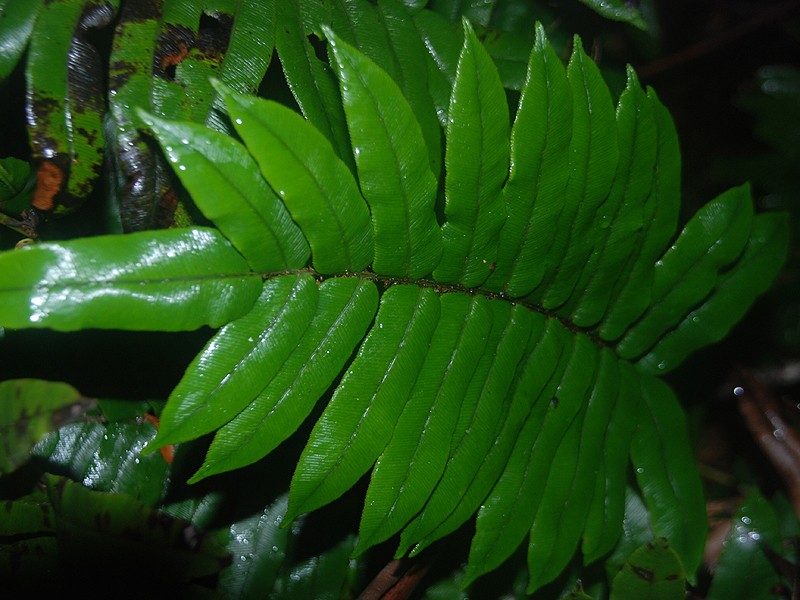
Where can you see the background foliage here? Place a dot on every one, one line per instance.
(118, 446)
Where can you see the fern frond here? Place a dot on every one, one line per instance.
(502, 362)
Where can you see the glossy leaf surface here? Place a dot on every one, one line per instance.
(107, 458)
(344, 310)
(394, 176)
(167, 280)
(744, 570)
(18, 22)
(65, 103)
(520, 388)
(474, 209)
(318, 189)
(225, 184)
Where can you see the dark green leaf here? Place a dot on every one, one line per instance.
(665, 471)
(18, 22)
(115, 532)
(28, 546)
(443, 42)
(744, 570)
(312, 82)
(17, 182)
(652, 571)
(618, 10)
(258, 546)
(329, 576)
(249, 51)
(107, 458)
(29, 408)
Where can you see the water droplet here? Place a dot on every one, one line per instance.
(640, 470)
(738, 391)
(238, 121)
(274, 548)
(184, 141)
(182, 167)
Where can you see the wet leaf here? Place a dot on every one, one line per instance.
(107, 458)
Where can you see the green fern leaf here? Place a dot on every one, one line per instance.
(502, 362)
(393, 172)
(233, 194)
(344, 310)
(175, 280)
(318, 189)
(477, 135)
(313, 85)
(537, 180)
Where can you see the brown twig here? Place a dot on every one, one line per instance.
(396, 581)
(721, 40)
(777, 438)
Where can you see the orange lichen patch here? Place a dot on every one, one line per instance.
(171, 59)
(49, 180)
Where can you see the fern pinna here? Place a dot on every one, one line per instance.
(497, 352)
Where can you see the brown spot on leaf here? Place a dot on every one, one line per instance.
(172, 47)
(49, 180)
(645, 574)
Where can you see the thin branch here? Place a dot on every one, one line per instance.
(707, 46)
(396, 581)
(778, 439)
